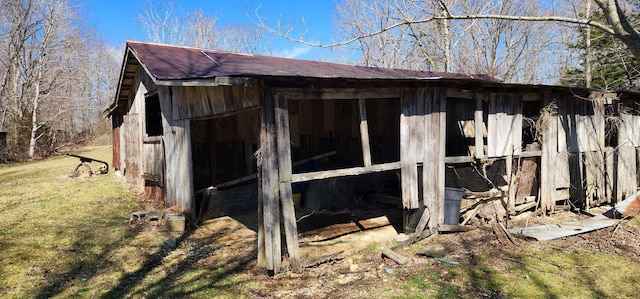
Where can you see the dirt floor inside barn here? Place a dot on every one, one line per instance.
(469, 262)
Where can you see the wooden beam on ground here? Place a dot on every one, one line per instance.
(396, 257)
(364, 133)
(285, 169)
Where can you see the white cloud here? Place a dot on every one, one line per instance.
(295, 52)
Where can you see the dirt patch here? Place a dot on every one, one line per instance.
(361, 271)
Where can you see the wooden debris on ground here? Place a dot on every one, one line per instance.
(504, 236)
(396, 257)
(318, 260)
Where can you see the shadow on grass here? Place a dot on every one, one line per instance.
(186, 277)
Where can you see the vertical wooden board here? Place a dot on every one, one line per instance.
(627, 181)
(527, 176)
(547, 171)
(434, 167)
(611, 173)
(115, 145)
(554, 168)
(582, 125)
(504, 125)
(408, 161)
(364, 132)
(563, 124)
(329, 107)
(270, 185)
(629, 130)
(591, 125)
(132, 155)
(593, 167)
(479, 127)
(284, 173)
(441, 99)
(179, 166)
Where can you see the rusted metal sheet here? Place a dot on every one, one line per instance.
(172, 62)
(627, 208)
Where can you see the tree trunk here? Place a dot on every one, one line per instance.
(621, 27)
(34, 117)
(587, 59)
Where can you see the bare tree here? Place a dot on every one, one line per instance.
(500, 48)
(165, 22)
(613, 11)
(44, 51)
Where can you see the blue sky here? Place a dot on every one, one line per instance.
(116, 20)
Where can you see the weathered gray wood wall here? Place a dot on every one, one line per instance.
(202, 101)
(504, 125)
(177, 144)
(422, 140)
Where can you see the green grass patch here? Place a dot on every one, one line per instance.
(69, 237)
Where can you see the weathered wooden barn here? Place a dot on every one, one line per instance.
(187, 121)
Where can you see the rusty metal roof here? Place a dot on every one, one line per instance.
(165, 62)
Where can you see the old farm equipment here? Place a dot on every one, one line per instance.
(85, 163)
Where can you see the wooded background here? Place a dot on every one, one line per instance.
(58, 76)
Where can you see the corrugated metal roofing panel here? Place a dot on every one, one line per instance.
(167, 62)
(627, 208)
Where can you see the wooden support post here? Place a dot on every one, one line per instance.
(479, 125)
(364, 132)
(270, 186)
(262, 256)
(440, 106)
(285, 169)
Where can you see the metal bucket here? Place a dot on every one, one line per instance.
(452, 199)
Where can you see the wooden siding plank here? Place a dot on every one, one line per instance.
(593, 166)
(626, 174)
(581, 125)
(549, 160)
(504, 125)
(440, 175)
(408, 158)
(433, 166)
(285, 169)
(629, 130)
(206, 101)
